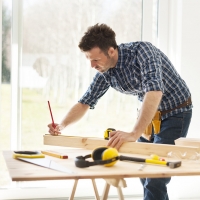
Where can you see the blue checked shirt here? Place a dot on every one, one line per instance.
(141, 68)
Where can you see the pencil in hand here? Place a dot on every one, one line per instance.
(53, 124)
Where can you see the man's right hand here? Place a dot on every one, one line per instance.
(74, 114)
(55, 131)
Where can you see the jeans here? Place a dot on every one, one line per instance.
(172, 128)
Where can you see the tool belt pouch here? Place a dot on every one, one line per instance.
(148, 130)
(155, 124)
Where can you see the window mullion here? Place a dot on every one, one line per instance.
(16, 54)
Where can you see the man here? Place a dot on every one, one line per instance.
(141, 69)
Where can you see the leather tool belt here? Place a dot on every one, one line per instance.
(184, 104)
(156, 121)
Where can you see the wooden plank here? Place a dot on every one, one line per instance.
(128, 147)
(63, 141)
(193, 142)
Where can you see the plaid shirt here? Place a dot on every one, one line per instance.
(141, 68)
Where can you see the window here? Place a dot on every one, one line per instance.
(46, 64)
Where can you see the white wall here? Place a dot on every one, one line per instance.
(179, 39)
(191, 57)
(184, 30)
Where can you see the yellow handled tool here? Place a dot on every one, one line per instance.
(106, 133)
(152, 161)
(17, 155)
(28, 154)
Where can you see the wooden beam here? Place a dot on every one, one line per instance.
(128, 147)
(192, 142)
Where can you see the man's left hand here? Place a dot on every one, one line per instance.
(117, 138)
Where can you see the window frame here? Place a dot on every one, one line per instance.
(16, 49)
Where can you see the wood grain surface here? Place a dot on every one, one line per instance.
(128, 147)
(23, 171)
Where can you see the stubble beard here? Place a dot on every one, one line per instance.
(110, 64)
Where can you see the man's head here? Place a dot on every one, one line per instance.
(99, 35)
(100, 47)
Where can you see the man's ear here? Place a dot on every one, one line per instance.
(111, 52)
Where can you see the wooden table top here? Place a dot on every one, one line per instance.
(23, 171)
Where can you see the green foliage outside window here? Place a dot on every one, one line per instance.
(6, 51)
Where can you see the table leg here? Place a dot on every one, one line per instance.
(114, 182)
(71, 197)
(105, 192)
(120, 194)
(95, 189)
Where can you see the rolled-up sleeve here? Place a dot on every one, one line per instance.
(151, 68)
(96, 90)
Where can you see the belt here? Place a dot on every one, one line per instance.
(182, 105)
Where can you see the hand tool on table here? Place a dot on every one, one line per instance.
(109, 156)
(171, 164)
(28, 154)
(42, 161)
(55, 154)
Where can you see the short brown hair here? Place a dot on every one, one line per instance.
(99, 35)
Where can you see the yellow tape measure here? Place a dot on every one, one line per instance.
(106, 133)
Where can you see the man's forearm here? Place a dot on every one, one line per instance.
(74, 114)
(149, 107)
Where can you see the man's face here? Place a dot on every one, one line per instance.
(100, 61)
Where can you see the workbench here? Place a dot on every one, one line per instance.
(114, 176)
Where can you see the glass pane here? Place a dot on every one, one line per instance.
(54, 69)
(5, 89)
